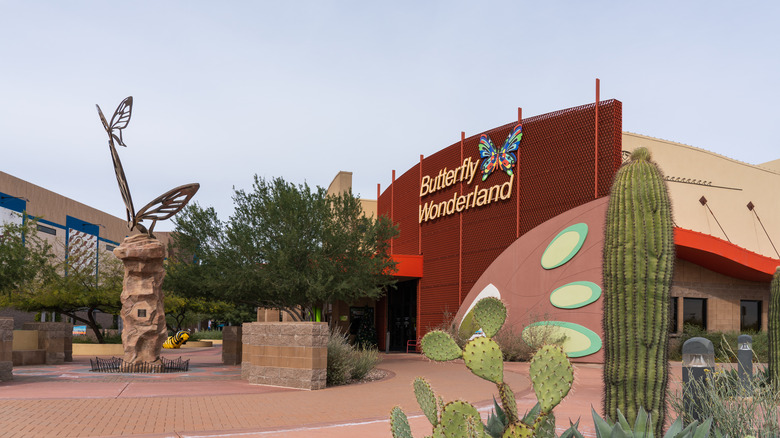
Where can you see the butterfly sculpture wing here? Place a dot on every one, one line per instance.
(166, 205)
(488, 152)
(119, 121)
(124, 189)
(506, 157)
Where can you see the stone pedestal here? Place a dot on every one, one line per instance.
(6, 348)
(55, 339)
(231, 345)
(142, 312)
(291, 354)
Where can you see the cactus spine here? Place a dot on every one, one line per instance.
(638, 266)
(774, 329)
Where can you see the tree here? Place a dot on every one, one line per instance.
(24, 257)
(32, 279)
(287, 247)
(181, 310)
(80, 293)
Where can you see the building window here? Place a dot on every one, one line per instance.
(749, 316)
(695, 312)
(47, 230)
(357, 315)
(673, 322)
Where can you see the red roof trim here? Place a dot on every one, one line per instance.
(723, 257)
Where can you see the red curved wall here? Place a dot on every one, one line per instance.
(554, 173)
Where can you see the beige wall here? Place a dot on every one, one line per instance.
(723, 295)
(733, 185)
(53, 207)
(342, 182)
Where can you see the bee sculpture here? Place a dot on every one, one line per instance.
(176, 340)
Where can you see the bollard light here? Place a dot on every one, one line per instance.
(745, 342)
(745, 360)
(698, 356)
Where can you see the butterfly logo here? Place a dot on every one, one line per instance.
(505, 158)
(162, 207)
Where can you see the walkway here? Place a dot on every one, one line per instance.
(211, 400)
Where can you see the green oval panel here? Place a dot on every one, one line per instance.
(564, 246)
(579, 342)
(575, 295)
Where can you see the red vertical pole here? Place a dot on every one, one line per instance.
(419, 205)
(378, 193)
(517, 179)
(596, 162)
(460, 229)
(392, 208)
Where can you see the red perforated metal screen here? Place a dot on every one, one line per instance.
(556, 172)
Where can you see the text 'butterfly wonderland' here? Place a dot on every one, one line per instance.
(505, 158)
(162, 207)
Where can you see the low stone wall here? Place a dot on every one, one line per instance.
(231, 345)
(290, 354)
(25, 349)
(25, 340)
(29, 357)
(98, 350)
(56, 338)
(6, 348)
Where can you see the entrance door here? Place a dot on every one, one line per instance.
(402, 314)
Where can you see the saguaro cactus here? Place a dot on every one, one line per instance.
(638, 267)
(774, 329)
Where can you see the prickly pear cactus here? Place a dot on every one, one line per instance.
(439, 346)
(455, 419)
(552, 376)
(637, 268)
(484, 358)
(490, 314)
(508, 402)
(427, 400)
(399, 424)
(774, 330)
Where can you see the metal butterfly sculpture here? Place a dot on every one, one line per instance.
(165, 205)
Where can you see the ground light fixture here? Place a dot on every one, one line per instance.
(745, 360)
(698, 360)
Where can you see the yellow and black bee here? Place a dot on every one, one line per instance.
(176, 340)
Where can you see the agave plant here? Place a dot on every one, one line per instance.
(643, 427)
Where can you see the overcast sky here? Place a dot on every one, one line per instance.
(226, 90)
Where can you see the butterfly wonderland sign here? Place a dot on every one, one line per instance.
(492, 159)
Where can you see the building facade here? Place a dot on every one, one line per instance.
(73, 230)
(530, 230)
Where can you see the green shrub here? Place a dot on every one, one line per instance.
(365, 359)
(517, 347)
(513, 347)
(346, 362)
(339, 369)
(736, 411)
(206, 335)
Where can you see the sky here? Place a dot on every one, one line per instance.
(224, 91)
